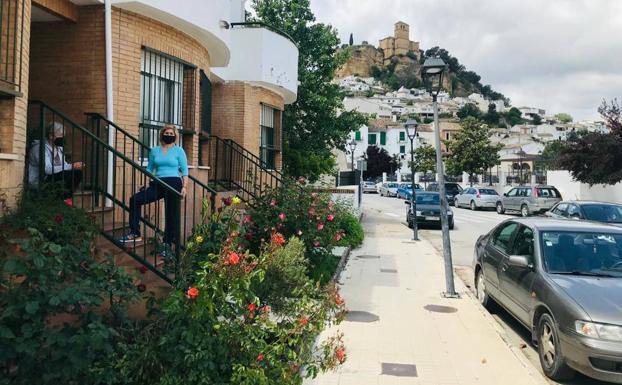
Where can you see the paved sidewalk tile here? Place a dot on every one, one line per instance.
(418, 337)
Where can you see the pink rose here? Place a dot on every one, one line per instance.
(320, 226)
(330, 217)
(282, 216)
(337, 237)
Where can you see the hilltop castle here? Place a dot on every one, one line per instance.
(399, 43)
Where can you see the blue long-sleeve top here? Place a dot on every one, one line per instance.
(169, 164)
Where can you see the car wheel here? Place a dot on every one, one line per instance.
(524, 210)
(480, 290)
(549, 350)
(409, 221)
(473, 206)
(500, 209)
(451, 225)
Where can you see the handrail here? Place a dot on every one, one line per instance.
(142, 145)
(260, 24)
(244, 152)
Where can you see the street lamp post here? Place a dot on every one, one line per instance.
(352, 146)
(433, 70)
(411, 131)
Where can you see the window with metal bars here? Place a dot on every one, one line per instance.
(270, 120)
(11, 39)
(167, 95)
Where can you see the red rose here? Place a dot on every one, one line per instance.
(282, 216)
(311, 211)
(320, 226)
(330, 217)
(260, 358)
(337, 237)
(303, 321)
(340, 353)
(247, 219)
(234, 258)
(265, 309)
(252, 307)
(226, 201)
(59, 218)
(143, 269)
(278, 239)
(339, 301)
(192, 293)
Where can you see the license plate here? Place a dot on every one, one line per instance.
(432, 218)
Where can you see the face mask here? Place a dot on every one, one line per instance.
(168, 139)
(59, 142)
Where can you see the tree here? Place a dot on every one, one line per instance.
(563, 117)
(536, 119)
(470, 150)
(351, 40)
(469, 109)
(425, 159)
(312, 126)
(549, 158)
(379, 161)
(595, 157)
(492, 116)
(513, 117)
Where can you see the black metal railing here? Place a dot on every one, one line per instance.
(197, 191)
(109, 178)
(11, 46)
(235, 168)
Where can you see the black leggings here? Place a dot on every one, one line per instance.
(70, 178)
(153, 193)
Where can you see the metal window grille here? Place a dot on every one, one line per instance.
(268, 146)
(167, 95)
(11, 38)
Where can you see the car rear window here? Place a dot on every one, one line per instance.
(548, 192)
(451, 188)
(392, 185)
(485, 191)
(428, 199)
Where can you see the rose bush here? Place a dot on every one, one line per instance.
(245, 318)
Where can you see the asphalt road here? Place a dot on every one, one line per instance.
(469, 225)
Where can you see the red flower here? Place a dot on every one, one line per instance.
(273, 202)
(247, 219)
(278, 239)
(234, 259)
(316, 243)
(282, 216)
(265, 309)
(142, 269)
(303, 321)
(339, 301)
(226, 201)
(330, 217)
(59, 218)
(311, 211)
(320, 226)
(192, 293)
(260, 358)
(340, 353)
(337, 237)
(252, 307)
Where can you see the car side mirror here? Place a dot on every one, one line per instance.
(519, 261)
(407, 203)
(576, 217)
(505, 194)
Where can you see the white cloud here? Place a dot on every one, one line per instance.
(562, 55)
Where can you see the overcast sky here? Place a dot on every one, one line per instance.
(561, 55)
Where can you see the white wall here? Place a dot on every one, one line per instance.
(573, 190)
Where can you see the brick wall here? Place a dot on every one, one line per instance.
(13, 127)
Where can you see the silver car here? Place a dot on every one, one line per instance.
(562, 280)
(389, 189)
(369, 187)
(528, 200)
(477, 198)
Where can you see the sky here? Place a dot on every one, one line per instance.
(560, 55)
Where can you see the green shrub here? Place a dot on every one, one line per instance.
(352, 230)
(62, 313)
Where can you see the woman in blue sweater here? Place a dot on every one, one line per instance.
(169, 163)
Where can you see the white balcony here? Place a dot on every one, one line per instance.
(263, 57)
(198, 18)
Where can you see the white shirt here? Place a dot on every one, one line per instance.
(54, 161)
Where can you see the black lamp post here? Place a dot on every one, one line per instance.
(352, 146)
(432, 73)
(411, 131)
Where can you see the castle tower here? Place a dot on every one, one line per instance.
(399, 43)
(402, 31)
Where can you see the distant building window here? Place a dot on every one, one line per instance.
(357, 135)
(447, 136)
(402, 149)
(371, 139)
(383, 138)
(402, 136)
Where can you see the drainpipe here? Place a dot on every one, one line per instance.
(109, 100)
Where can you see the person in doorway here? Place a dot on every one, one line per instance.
(55, 168)
(169, 164)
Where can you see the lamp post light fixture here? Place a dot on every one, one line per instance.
(411, 132)
(352, 146)
(432, 73)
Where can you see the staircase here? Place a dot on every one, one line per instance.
(111, 175)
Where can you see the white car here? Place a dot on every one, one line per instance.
(389, 189)
(477, 198)
(369, 187)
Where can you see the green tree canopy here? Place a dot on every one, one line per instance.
(595, 157)
(492, 117)
(563, 117)
(513, 117)
(536, 119)
(425, 159)
(469, 109)
(351, 40)
(379, 161)
(549, 159)
(314, 124)
(470, 150)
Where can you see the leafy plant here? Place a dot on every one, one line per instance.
(353, 234)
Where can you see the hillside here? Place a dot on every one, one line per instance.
(405, 70)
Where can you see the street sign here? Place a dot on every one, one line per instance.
(361, 165)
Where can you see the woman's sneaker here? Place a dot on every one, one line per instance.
(131, 238)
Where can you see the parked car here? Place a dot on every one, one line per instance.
(451, 190)
(477, 198)
(587, 210)
(406, 189)
(389, 189)
(428, 210)
(369, 187)
(528, 200)
(563, 281)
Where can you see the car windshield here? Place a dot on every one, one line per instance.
(603, 213)
(582, 253)
(486, 191)
(392, 185)
(428, 199)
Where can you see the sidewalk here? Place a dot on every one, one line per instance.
(392, 288)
